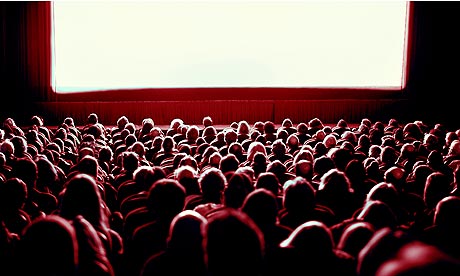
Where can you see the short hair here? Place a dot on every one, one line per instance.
(234, 244)
(130, 160)
(268, 181)
(167, 197)
(207, 121)
(193, 132)
(185, 171)
(212, 182)
(299, 194)
(269, 127)
(229, 163)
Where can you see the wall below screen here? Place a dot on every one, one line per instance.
(226, 112)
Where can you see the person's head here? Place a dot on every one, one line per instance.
(381, 247)
(185, 235)
(355, 237)
(428, 260)
(88, 165)
(248, 170)
(207, 121)
(278, 147)
(48, 246)
(262, 207)
(238, 187)
(384, 192)
(234, 244)
(229, 163)
(25, 169)
(176, 123)
(378, 214)
(122, 121)
(130, 161)
(243, 128)
(212, 184)
(47, 175)
(193, 132)
(82, 196)
(20, 145)
(92, 118)
(330, 141)
(190, 161)
(302, 128)
(269, 181)
(230, 136)
(236, 149)
(144, 176)
(69, 121)
(315, 124)
(293, 142)
(255, 147)
(209, 133)
(166, 198)
(13, 194)
(388, 155)
(322, 165)
(304, 168)
(312, 239)
(341, 157)
(168, 144)
(446, 213)
(335, 182)
(437, 186)
(298, 195)
(187, 176)
(269, 127)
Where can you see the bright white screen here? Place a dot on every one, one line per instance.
(158, 44)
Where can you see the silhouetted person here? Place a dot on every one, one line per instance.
(233, 244)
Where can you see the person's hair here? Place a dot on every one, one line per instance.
(190, 161)
(130, 160)
(230, 136)
(336, 182)
(212, 183)
(429, 260)
(269, 181)
(144, 176)
(299, 195)
(238, 187)
(166, 197)
(193, 132)
(322, 165)
(229, 163)
(185, 237)
(207, 121)
(379, 214)
(255, 147)
(269, 127)
(176, 123)
(234, 244)
(81, 196)
(278, 147)
(168, 144)
(446, 212)
(93, 118)
(13, 194)
(355, 237)
(262, 207)
(48, 246)
(437, 186)
(243, 127)
(312, 238)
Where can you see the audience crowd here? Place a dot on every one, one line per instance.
(377, 198)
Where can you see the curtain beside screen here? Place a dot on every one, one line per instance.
(26, 44)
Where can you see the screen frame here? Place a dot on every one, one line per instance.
(245, 93)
